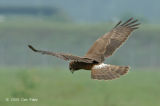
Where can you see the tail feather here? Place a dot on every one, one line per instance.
(108, 72)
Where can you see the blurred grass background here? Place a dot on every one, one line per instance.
(72, 27)
(58, 87)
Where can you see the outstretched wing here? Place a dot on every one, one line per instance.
(108, 43)
(63, 56)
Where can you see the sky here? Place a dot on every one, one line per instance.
(98, 10)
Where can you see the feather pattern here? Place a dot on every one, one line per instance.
(63, 56)
(108, 72)
(106, 45)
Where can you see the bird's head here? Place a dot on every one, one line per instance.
(73, 67)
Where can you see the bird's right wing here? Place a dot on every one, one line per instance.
(107, 44)
(63, 56)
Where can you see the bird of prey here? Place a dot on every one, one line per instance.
(102, 48)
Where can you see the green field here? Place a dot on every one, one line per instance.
(58, 87)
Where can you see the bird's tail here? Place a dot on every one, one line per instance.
(108, 72)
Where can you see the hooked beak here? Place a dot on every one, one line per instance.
(71, 70)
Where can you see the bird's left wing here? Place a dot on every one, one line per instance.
(63, 56)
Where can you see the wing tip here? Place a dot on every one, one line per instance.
(130, 23)
(118, 24)
(32, 48)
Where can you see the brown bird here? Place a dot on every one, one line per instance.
(102, 48)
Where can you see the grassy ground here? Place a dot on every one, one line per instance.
(58, 87)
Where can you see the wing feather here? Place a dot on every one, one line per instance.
(108, 72)
(119, 35)
(106, 45)
(63, 56)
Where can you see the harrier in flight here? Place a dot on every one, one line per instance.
(102, 48)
